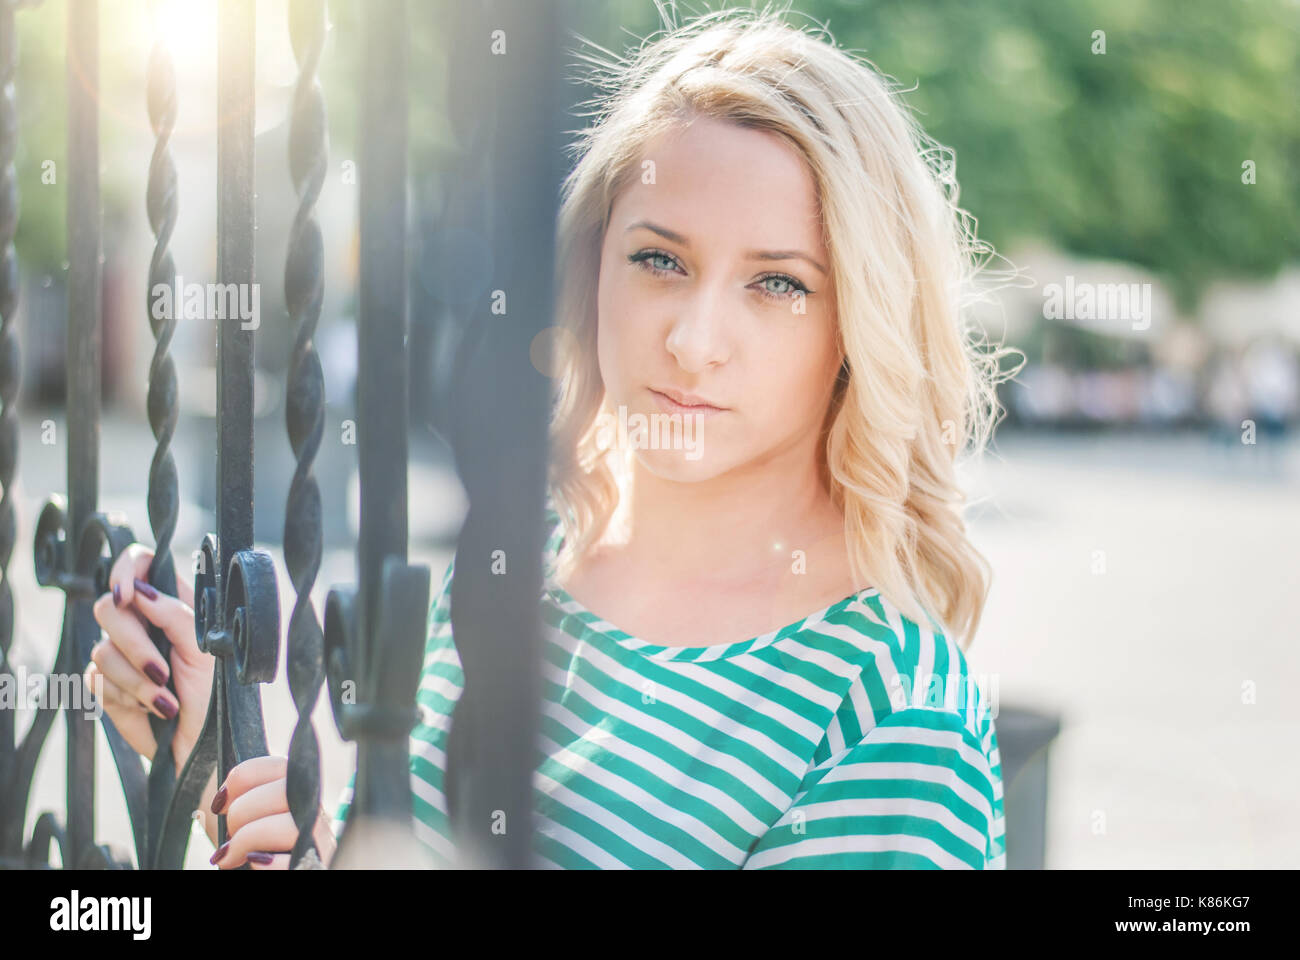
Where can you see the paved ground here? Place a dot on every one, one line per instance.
(1163, 760)
(1145, 590)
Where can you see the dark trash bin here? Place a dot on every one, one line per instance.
(1024, 739)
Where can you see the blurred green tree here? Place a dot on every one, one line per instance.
(1133, 154)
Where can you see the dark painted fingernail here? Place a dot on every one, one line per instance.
(257, 856)
(155, 673)
(219, 800)
(117, 594)
(165, 706)
(221, 852)
(147, 589)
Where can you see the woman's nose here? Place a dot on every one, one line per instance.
(698, 336)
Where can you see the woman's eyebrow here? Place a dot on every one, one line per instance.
(676, 237)
(664, 232)
(783, 255)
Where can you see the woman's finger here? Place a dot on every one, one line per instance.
(130, 563)
(106, 691)
(127, 713)
(174, 617)
(261, 860)
(116, 668)
(133, 563)
(263, 800)
(128, 635)
(247, 775)
(275, 834)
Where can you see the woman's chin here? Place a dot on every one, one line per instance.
(681, 466)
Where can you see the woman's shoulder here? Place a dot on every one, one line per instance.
(898, 663)
(914, 695)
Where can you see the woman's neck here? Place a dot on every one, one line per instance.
(736, 526)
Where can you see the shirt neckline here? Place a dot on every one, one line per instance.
(593, 623)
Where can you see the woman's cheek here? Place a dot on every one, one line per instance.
(792, 397)
(611, 355)
(618, 344)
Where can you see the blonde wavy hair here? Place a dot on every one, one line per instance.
(917, 389)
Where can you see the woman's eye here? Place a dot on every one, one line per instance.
(654, 261)
(776, 287)
(783, 287)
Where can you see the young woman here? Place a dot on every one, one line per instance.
(757, 573)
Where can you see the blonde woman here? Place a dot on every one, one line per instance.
(758, 574)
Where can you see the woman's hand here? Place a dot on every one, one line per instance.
(262, 831)
(134, 674)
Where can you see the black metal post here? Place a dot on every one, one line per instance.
(83, 383)
(499, 428)
(71, 536)
(237, 608)
(374, 635)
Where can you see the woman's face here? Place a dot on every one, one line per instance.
(716, 310)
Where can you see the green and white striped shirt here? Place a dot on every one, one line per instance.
(853, 738)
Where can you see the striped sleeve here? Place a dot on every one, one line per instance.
(998, 843)
(341, 811)
(916, 792)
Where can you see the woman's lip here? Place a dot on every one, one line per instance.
(676, 407)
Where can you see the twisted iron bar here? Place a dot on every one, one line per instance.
(305, 418)
(10, 834)
(161, 201)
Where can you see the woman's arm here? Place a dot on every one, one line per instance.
(916, 792)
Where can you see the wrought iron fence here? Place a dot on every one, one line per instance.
(369, 643)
